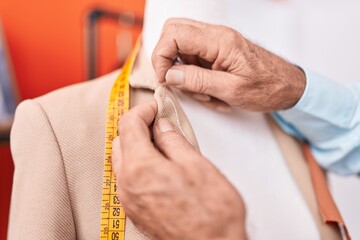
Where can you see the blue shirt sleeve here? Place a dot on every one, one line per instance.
(328, 117)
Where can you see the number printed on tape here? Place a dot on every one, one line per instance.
(112, 213)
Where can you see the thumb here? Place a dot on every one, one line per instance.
(201, 80)
(172, 144)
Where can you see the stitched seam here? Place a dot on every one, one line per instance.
(62, 157)
(178, 120)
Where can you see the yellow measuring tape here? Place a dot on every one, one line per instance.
(112, 212)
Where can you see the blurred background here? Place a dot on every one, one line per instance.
(45, 45)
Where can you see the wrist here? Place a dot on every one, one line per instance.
(297, 82)
(287, 80)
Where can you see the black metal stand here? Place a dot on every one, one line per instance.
(91, 41)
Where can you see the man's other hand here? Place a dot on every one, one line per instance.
(221, 63)
(172, 191)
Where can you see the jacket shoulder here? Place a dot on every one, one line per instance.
(85, 94)
(70, 124)
(39, 181)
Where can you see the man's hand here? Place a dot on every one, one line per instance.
(172, 192)
(221, 63)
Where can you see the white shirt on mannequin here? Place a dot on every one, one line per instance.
(246, 150)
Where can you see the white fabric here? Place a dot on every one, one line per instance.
(247, 153)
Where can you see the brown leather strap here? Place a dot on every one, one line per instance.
(328, 208)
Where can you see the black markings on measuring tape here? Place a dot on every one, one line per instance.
(113, 217)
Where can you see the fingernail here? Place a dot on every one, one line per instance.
(223, 108)
(201, 97)
(174, 76)
(165, 125)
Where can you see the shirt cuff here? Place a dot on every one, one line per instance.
(323, 104)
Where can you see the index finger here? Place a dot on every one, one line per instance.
(134, 132)
(186, 36)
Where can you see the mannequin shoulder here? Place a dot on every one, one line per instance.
(81, 95)
(76, 110)
(82, 99)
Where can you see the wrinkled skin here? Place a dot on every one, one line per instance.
(172, 191)
(221, 63)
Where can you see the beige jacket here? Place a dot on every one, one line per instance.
(57, 143)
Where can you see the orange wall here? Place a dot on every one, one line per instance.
(45, 39)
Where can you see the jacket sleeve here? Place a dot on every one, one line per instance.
(40, 204)
(328, 117)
